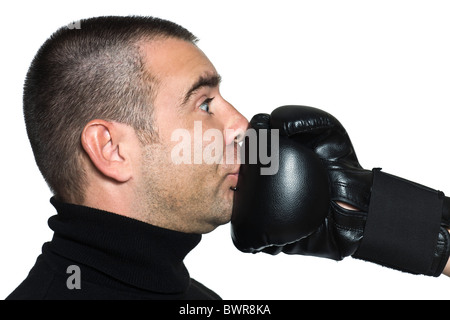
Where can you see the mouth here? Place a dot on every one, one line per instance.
(234, 176)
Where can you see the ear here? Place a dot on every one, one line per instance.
(103, 141)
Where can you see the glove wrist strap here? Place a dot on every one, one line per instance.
(403, 226)
(446, 213)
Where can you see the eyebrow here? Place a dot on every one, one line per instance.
(210, 81)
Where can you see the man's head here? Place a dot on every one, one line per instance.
(101, 104)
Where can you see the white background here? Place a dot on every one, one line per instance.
(381, 67)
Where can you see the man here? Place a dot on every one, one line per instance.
(101, 104)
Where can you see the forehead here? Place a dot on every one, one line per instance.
(175, 60)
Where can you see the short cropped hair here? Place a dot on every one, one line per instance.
(94, 71)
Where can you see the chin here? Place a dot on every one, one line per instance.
(217, 219)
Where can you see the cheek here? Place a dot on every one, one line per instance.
(191, 187)
(177, 167)
(196, 147)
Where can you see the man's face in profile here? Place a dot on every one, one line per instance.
(191, 196)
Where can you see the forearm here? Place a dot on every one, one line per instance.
(447, 267)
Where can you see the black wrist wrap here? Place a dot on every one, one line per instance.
(403, 226)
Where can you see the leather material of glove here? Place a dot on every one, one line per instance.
(324, 134)
(341, 231)
(280, 216)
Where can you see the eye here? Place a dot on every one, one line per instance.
(205, 105)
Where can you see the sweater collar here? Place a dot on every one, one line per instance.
(131, 251)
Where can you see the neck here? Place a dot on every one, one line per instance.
(112, 197)
(131, 251)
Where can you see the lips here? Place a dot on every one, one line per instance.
(234, 175)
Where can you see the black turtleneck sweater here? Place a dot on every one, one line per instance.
(117, 257)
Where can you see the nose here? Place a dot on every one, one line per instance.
(236, 126)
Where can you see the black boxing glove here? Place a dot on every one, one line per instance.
(265, 213)
(399, 224)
